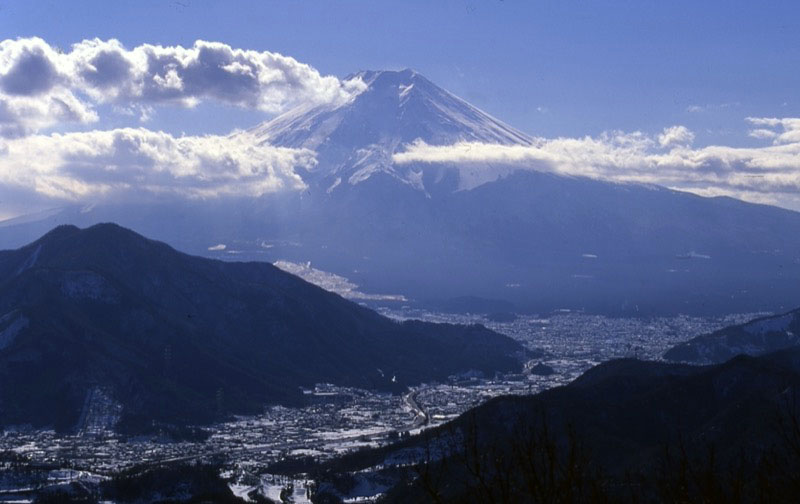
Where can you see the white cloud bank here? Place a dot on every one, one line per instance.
(41, 86)
(765, 174)
(137, 163)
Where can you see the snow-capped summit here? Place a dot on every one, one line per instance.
(356, 140)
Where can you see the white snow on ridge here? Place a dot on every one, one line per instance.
(372, 159)
(405, 89)
(307, 126)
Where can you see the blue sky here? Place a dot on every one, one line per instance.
(99, 98)
(554, 68)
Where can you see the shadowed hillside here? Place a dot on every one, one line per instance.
(182, 339)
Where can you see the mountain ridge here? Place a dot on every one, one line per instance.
(356, 140)
(756, 337)
(165, 332)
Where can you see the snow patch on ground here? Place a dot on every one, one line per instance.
(295, 490)
(471, 175)
(100, 413)
(31, 260)
(9, 334)
(242, 491)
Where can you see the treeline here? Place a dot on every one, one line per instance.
(538, 465)
(626, 431)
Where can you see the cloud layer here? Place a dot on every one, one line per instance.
(139, 163)
(41, 86)
(767, 174)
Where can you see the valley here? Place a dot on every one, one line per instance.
(339, 419)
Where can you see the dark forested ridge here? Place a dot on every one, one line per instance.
(625, 431)
(182, 339)
(757, 337)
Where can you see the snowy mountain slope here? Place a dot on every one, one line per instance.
(356, 140)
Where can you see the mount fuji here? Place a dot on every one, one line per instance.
(357, 141)
(492, 235)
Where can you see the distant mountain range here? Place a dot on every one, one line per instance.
(106, 314)
(757, 337)
(434, 232)
(625, 431)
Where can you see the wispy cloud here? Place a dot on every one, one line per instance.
(693, 109)
(41, 85)
(768, 174)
